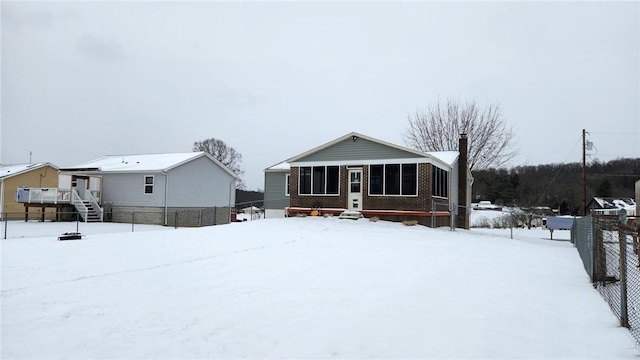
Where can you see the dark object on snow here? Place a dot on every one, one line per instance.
(70, 236)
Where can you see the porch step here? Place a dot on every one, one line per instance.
(350, 214)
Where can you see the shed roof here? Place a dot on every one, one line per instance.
(7, 171)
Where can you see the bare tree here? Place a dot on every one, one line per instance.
(439, 127)
(224, 153)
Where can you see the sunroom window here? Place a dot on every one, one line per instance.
(393, 179)
(439, 182)
(319, 180)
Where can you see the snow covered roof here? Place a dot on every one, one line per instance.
(142, 162)
(611, 203)
(281, 166)
(448, 157)
(7, 171)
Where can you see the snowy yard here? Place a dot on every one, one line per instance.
(302, 288)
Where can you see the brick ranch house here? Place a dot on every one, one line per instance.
(375, 178)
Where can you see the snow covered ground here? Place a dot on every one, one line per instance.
(302, 288)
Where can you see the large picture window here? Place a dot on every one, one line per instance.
(319, 180)
(393, 179)
(439, 182)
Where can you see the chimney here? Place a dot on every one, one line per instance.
(462, 218)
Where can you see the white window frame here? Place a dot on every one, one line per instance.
(325, 180)
(152, 185)
(384, 171)
(287, 184)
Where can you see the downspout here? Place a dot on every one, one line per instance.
(166, 192)
(231, 188)
(2, 214)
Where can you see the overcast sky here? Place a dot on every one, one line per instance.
(85, 79)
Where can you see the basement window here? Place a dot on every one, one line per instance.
(148, 184)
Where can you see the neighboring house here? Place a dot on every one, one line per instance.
(152, 188)
(42, 175)
(611, 206)
(375, 178)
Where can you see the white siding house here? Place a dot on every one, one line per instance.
(193, 188)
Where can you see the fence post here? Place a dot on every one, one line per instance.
(511, 223)
(77, 220)
(624, 317)
(133, 220)
(215, 215)
(175, 220)
(200, 218)
(5, 225)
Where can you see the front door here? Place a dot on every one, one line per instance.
(354, 200)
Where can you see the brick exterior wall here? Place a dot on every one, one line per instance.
(421, 202)
(309, 201)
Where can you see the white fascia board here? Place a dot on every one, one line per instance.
(424, 160)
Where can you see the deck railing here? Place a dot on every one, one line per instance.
(94, 204)
(43, 196)
(76, 200)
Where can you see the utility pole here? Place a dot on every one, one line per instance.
(584, 173)
(30, 157)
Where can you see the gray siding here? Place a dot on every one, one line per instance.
(360, 149)
(200, 183)
(128, 190)
(274, 190)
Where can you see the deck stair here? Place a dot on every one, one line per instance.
(93, 215)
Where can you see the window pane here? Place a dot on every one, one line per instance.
(148, 180)
(148, 189)
(305, 180)
(288, 186)
(392, 179)
(333, 179)
(318, 179)
(439, 182)
(409, 179)
(375, 179)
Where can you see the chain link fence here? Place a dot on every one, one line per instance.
(176, 217)
(609, 249)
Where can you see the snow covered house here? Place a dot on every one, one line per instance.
(20, 176)
(611, 206)
(193, 188)
(374, 178)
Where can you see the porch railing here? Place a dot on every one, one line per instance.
(80, 206)
(43, 195)
(94, 204)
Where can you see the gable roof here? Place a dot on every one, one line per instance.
(143, 163)
(7, 171)
(445, 157)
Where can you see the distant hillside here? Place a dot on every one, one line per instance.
(244, 198)
(556, 185)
